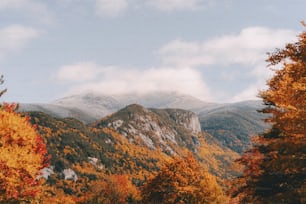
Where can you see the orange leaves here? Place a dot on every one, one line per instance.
(22, 156)
(275, 166)
(182, 181)
(287, 89)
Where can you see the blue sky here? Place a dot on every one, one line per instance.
(211, 49)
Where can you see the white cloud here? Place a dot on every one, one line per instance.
(15, 37)
(78, 72)
(171, 5)
(250, 93)
(114, 80)
(248, 47)
(110, 8)
(31, 8)
(246, 51)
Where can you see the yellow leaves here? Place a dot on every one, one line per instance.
(183, 181)
(22, 156)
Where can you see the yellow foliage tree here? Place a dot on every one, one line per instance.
(183, 181)
(22, 156)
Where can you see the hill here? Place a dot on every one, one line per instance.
(85, 153)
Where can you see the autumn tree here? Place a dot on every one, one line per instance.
(22, 156)
(115, 189)
(275, 167)
(183, 181)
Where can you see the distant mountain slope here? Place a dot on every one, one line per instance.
(58, 111)
(233, 124)
(99, 105)
(90, 107)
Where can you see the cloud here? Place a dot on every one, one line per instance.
(110, 8)
(248, 47)
(115, 80)
(83, 71)
(15, 37)
(30, 8)
(241, 55)
(113, 8)
(171, 5)
(250, 93)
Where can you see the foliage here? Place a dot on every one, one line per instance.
(275, 167)
(22, 153)
(115, 189)
(71, 143)
(182, 181)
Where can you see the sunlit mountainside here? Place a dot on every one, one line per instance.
(134, 141)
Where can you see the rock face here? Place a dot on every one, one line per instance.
(163, 129)
(69, 174)
(187, 119)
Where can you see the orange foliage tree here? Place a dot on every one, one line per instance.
(22, 156)
(115, 189)
(275, 167)
(183, 181)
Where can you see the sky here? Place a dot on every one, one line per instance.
(214, 50)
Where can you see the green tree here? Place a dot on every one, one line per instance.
(275, 167)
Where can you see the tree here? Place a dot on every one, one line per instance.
(1, 82)
(182, 181)
(22, 156)
(275, 167)
(115, 189)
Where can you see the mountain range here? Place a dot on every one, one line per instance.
(92, 136)
(231, 124)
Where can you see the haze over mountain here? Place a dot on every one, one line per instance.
(230, 123)
(92, 106)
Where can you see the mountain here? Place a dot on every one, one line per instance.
(163, 129)
(111, 103)
(57, 111)
(91, 106)
(134, 141)
(232, 124)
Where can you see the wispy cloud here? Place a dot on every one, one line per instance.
(181, 64)
(247, 48)
(30, 8)
(113, 8)
(174, 5)
(110, 8)
(115, 80)
(15, 37)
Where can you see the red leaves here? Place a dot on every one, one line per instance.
(10, 107)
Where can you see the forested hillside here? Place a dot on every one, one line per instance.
(84, 155)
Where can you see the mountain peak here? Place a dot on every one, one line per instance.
(164, 129)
